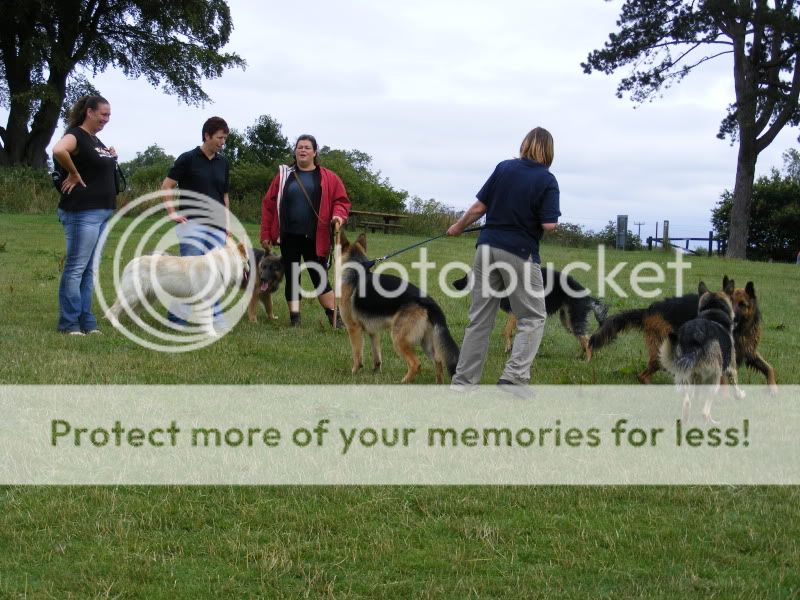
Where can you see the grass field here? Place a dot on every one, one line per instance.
(159, 542)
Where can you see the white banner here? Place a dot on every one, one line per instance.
(257, 435)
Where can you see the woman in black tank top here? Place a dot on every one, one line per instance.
(88, 198)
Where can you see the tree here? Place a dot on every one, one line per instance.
(265, 142)
(774, 217)
(365, 187)
(665, 40)
(262, 144)
(45, 45)
(153, 156)
(791, 163)
(235, 148)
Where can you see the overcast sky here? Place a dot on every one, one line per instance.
(439, 91)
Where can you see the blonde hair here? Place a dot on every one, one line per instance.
(538, 146)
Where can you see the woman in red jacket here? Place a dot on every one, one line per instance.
(297, 212)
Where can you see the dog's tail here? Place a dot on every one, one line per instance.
(460, 284)
(614, 325)
(600, 310)
(680, 364)
(443, 342)
(666, 354)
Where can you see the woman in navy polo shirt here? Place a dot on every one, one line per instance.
(521, 202)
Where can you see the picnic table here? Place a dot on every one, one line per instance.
(376, 220)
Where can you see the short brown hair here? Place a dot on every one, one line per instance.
(538, 146)
(213, 125)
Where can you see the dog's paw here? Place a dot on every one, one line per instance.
(273, 317)
(773, 390)
(739, 393)
(709, 418)
(377, 367)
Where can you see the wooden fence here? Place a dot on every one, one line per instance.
(710, 239)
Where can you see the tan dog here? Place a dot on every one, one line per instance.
(193, 277)
(661, 318)
(269, 272)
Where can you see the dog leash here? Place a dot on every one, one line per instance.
(375, 261)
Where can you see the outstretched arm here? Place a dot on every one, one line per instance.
(474, 212)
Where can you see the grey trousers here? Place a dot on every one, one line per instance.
(502, 272)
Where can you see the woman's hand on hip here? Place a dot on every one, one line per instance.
(70, 182)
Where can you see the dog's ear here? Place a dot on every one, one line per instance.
(750, 290)
(728, 285)
(362, 241)
(702, 289)
(345, 243)
(242, 249)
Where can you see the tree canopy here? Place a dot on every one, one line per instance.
(262, 143)
(663, 41)
(47, 45)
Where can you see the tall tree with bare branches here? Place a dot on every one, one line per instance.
(662, 41)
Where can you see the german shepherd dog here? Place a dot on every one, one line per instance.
(702, 351)
(268, 271)
(661, 318)
(412, 318)
(565, 296)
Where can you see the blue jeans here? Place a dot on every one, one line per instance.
(82, 230)
(195, 239)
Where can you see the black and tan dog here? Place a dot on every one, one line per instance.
(563, 295)
(701, 352)
(371, 303)
(661, 318)
(268, 271)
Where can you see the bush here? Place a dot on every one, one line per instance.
(608, 237)
(428, 217)
(27, 190)
(571, 236)
(774, 232)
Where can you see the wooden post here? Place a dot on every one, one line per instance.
(337, 259)
(649, 242)
(665, 235)
(711, 243)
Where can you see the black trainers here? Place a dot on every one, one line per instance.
(520, 390)
(294, 319)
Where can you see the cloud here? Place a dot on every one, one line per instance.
(439, 92)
